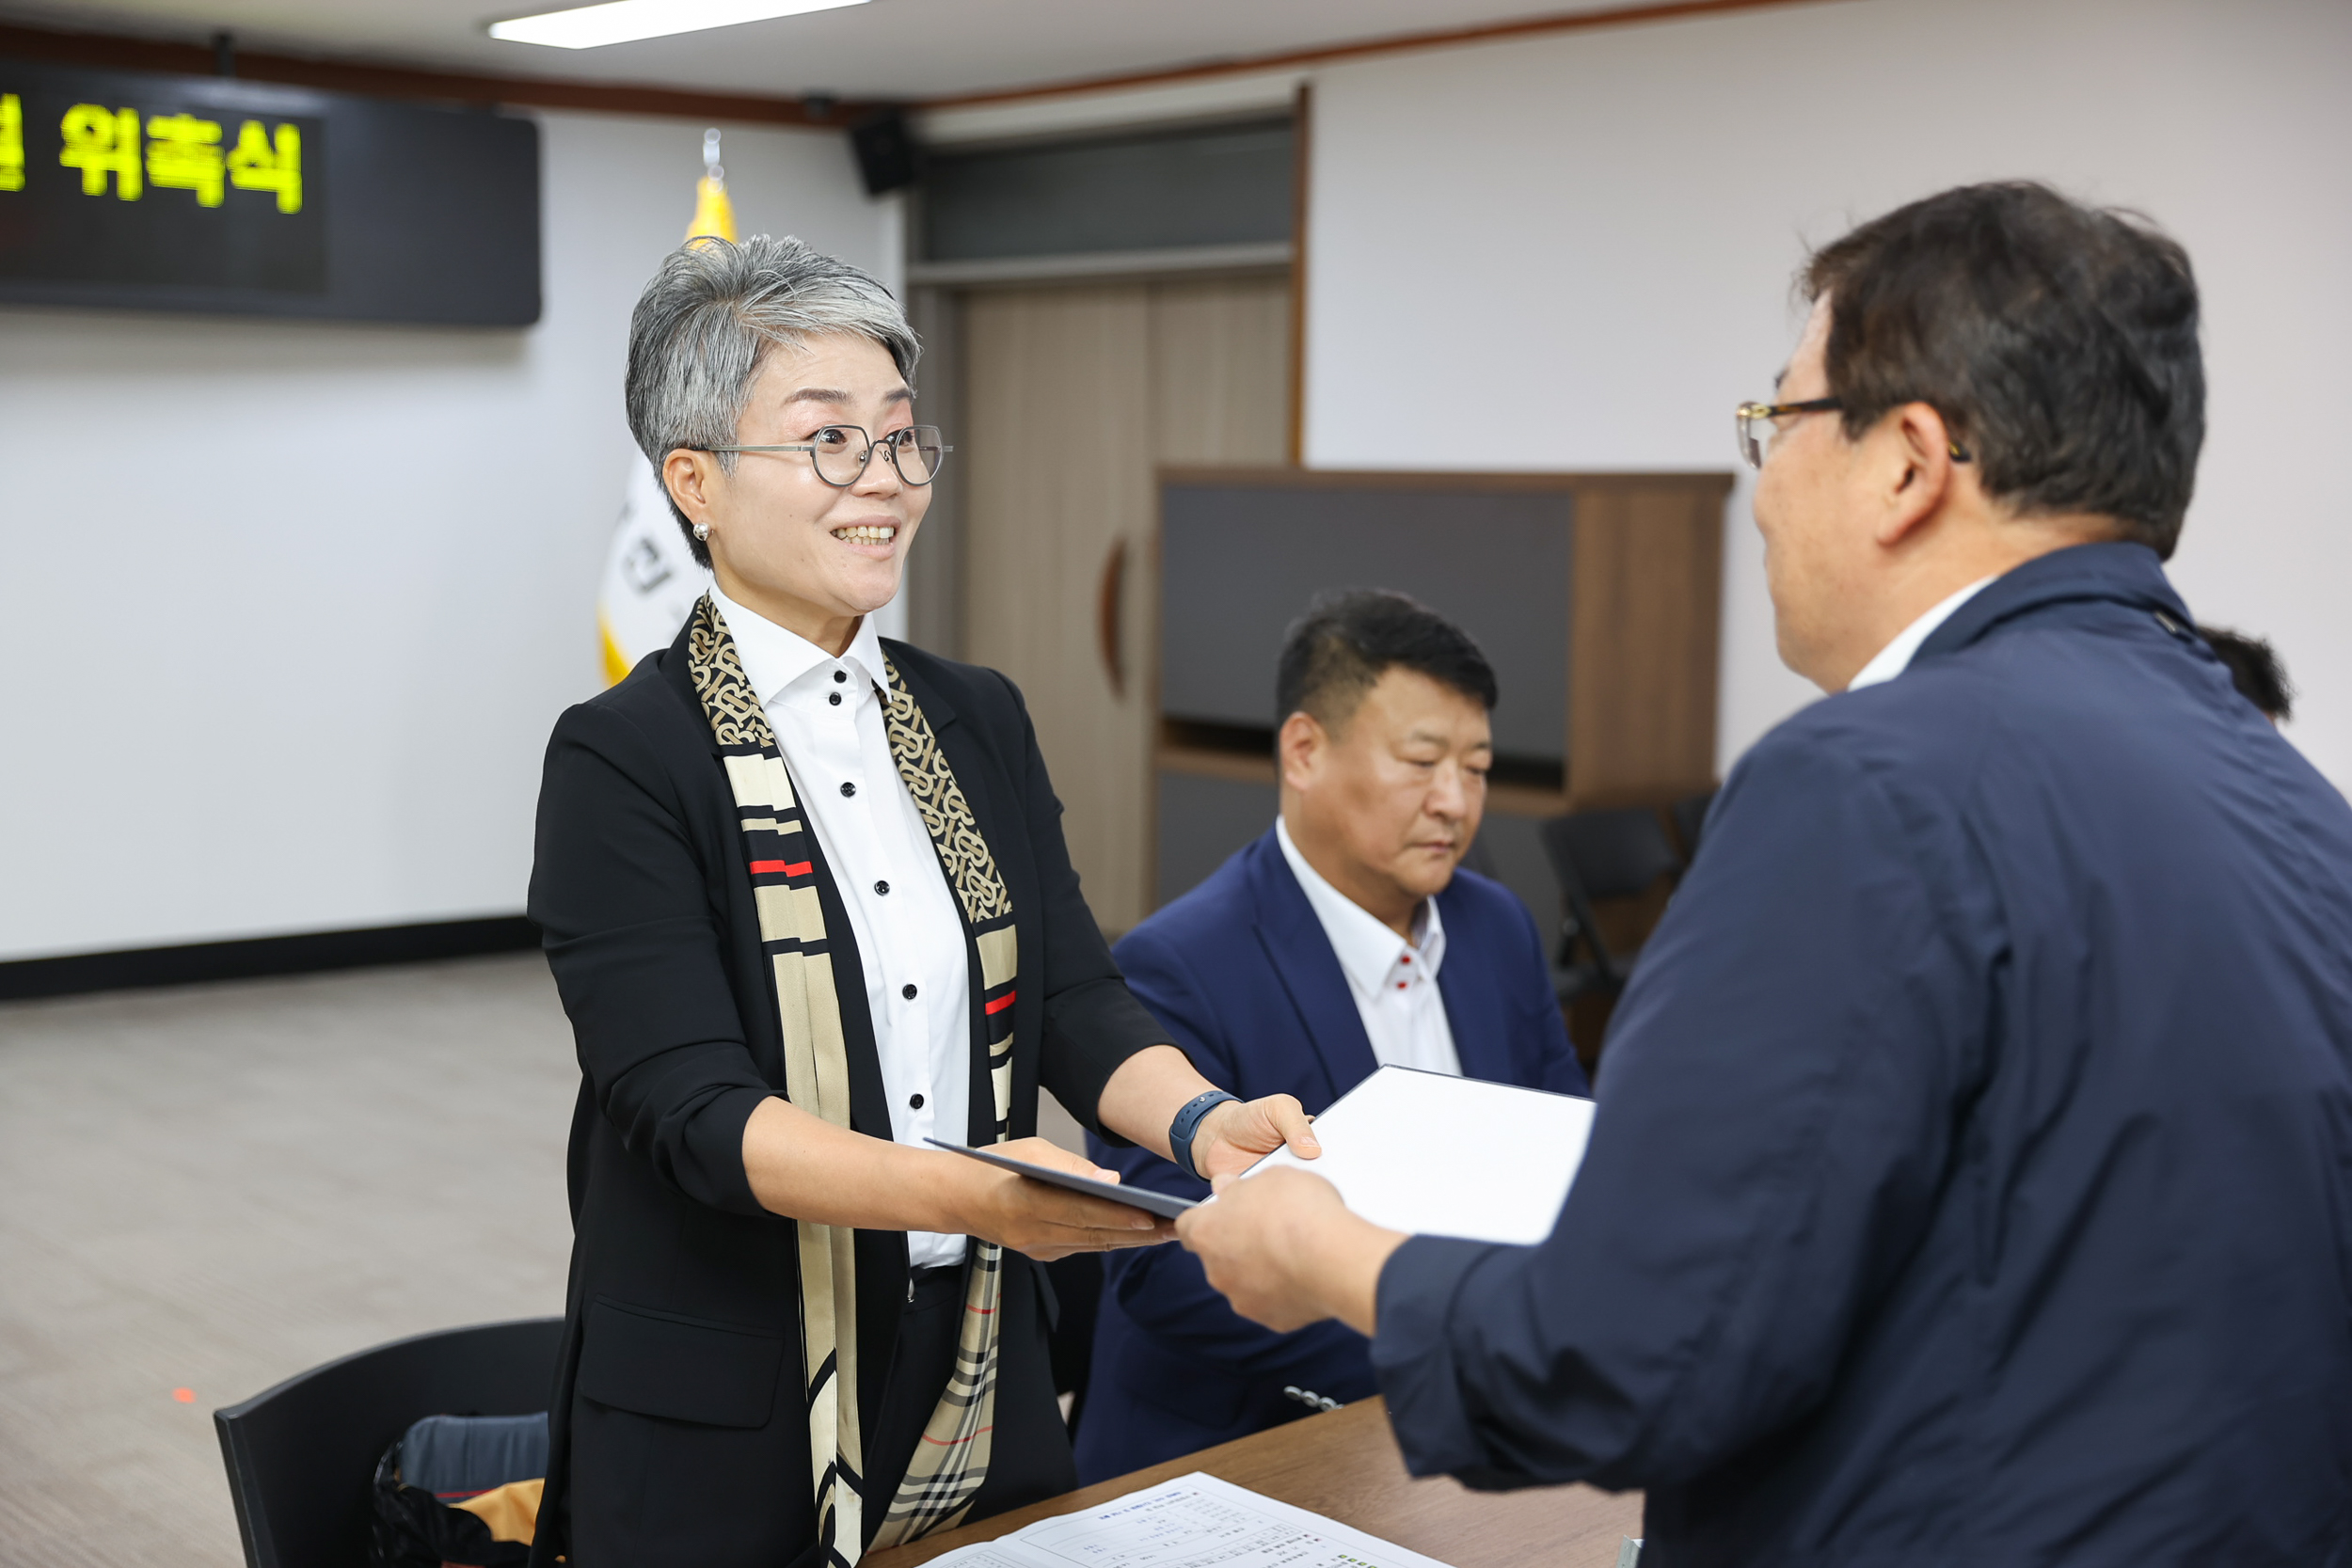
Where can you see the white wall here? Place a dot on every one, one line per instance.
(286, 609)
(1586, 242)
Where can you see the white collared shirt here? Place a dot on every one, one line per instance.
(1896, 657)
(1394, 981)
(827, 713)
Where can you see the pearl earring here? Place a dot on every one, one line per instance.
(702, 530)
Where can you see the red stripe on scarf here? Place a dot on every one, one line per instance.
(951, 1442)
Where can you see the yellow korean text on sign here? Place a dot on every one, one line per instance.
(179, 152)
(101, 141)
(184, 154)
(11, 142)
(260, 162)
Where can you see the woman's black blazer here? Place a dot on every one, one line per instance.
(684, 1302)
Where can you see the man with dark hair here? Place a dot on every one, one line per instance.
(1344, 939)
(2255, 670)
(1971, 1180)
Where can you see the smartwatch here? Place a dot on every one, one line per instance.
(1187, 1122)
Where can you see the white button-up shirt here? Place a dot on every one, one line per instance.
(1394, 981)
(827, 713)
(1896, 657)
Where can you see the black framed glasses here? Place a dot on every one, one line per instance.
(841, 451)
(1760, 424)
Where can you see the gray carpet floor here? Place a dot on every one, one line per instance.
(212, 1188)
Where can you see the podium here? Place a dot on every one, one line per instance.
(1344, 1466)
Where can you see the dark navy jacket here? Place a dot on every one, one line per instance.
(1240, 972)
(1972, 1182)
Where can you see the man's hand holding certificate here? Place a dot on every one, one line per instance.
(1404, 1153)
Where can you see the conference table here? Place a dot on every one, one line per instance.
(1344, 1464)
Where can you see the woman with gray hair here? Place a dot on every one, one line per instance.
(806, 899)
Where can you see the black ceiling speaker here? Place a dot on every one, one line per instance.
(886, 157)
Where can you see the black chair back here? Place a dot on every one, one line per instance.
(1612, 854)
(302, 1457)
(1598, 855)
(1689, 814)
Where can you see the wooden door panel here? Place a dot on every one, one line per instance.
(1057, 404)
(1221, 361)
(1072, 396)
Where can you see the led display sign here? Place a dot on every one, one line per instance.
(127, 189)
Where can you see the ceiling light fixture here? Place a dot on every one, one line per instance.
(625, 21)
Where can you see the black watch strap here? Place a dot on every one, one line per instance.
(1187, 1122)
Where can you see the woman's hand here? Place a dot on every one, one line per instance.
(805, 1168)
(1237, 1135)
(1047, 1222)
(1152, 1085)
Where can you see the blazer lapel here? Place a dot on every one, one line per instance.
(1309, 969)
(1473, 1009)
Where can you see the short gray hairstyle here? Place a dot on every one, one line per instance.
(707, 320)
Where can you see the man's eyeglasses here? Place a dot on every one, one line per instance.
(1762, 423)
(841, 451)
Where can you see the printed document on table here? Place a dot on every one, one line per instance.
(1191, 1522)
(1436, 1155)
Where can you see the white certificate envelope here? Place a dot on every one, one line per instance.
(1437, 1155)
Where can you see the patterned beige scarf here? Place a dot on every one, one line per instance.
(951, 1462)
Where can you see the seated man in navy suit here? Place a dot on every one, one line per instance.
(1344, 939)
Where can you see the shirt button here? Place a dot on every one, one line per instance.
(907, 990)
(841, 675)
(833, 697)
(881, 889)
(847, 789)
(916, 1101)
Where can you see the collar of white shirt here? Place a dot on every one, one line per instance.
(1376, 959)
(1896, 657)
(774, 657)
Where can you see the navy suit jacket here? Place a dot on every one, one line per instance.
(1241, 974)
(1971, 1180)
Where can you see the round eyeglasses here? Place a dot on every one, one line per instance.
(841, 451)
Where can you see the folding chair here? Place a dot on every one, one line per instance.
(302, 1456)
(1601, 855)
(1689, 814)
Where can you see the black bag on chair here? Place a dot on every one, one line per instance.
(439, 1462)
